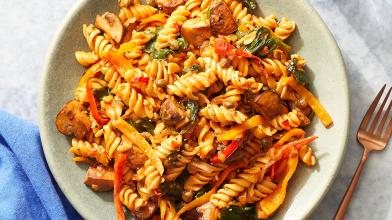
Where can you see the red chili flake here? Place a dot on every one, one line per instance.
(142, 79)
(265, 50)
(286, 123)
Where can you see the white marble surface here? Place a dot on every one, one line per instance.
(363, 30)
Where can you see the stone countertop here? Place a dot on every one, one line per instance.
(361, 28)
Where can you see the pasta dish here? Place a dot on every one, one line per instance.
(191, 109)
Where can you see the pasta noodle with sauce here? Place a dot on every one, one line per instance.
(191, 106)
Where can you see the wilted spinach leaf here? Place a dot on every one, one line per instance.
(239, 213)
(250, 4)
(143, 125)
(100, 93)
(193, 108)
(203, 190)
(263, 39)
(299, 75)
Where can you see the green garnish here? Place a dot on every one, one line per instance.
(299, 75)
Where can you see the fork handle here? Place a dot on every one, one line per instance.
(340, 213)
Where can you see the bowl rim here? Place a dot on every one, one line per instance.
(44, 132)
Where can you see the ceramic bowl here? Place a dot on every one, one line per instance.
(312, 40)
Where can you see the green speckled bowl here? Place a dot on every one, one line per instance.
(311, 39)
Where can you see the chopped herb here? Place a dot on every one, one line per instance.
(239, 213)
(250, 4)
(160, 54)
(299, 75)
(182, 44)
(143, 125)
(195, 68)
(193, 108)
(100, 93)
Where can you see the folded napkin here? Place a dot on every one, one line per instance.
(27, 189)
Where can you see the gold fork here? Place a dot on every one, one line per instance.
(371, 138)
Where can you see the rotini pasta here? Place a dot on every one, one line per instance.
(96, 41)
(222, 114)
(205, 104)
(170, 31)
(138, 12)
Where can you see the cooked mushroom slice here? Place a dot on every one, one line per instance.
(172, 112)
(222, 20)
(111, 24)
(196, 31)
(269, 104)
(146, 211)
(73, 120)
(100, 178)
(168, 6)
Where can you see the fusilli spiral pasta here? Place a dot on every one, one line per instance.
(208, 98)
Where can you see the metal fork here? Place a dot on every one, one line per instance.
(373, 137)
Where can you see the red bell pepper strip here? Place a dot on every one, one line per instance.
(242, 53)
(118, 176)
(229, 150)
(295, 144)
(223, 48)
(93, 105)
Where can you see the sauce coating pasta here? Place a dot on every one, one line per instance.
(191, 109)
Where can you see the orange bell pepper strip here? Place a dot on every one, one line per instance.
(295, 132)
(318, 109)
(93, 105)
(206, 197)
(266, 207)
(136, 138)
(239, 129)
(120, 63)
(90, 72)
(119, 165)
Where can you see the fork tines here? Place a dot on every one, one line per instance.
(373, 129)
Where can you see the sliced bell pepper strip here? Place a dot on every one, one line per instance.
(206, 197)
(90, 72)
(295, 132)
(119, 165)
(222, 48)
(312, 101)
(285, 149)
(229, 150)
(273, 201)
(239, 129)
(136, 138)
(119, 62)
(126, 47)
(242, 53)
(93, 105)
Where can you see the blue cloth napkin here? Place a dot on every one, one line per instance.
(27, 189)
